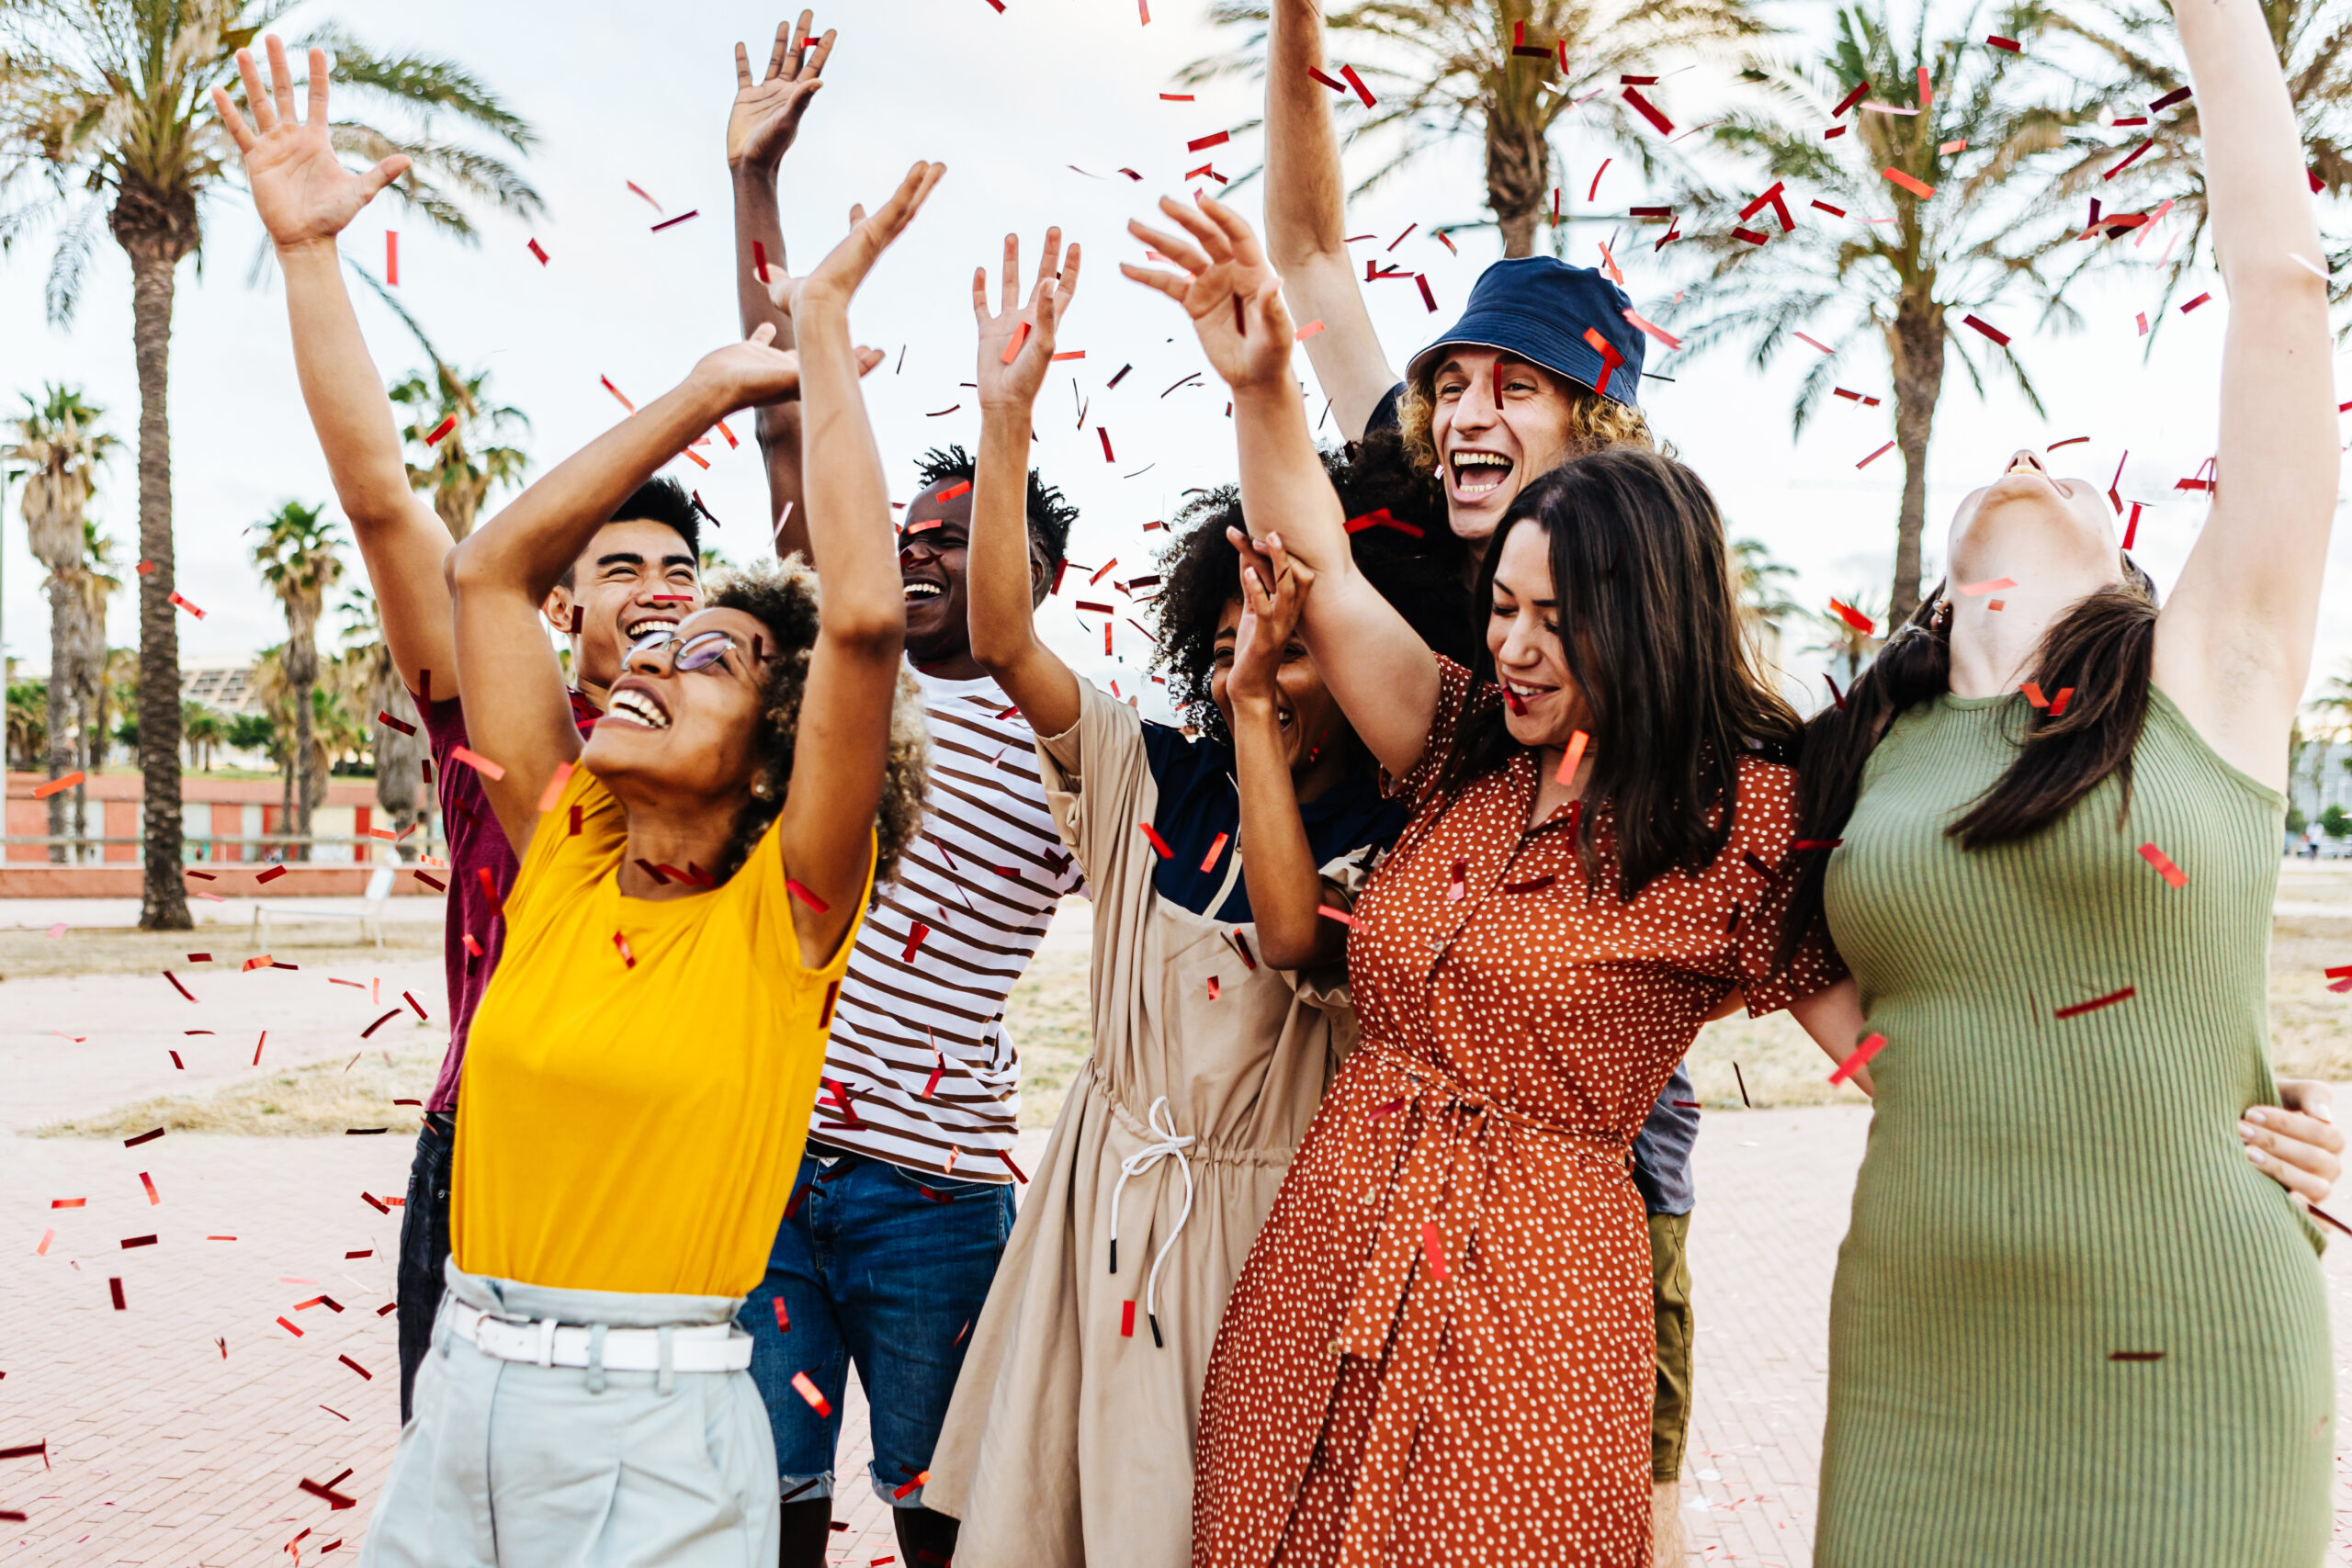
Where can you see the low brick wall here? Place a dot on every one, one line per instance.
(21, 880)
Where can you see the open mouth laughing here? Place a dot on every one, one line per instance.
(636, 706)
(1477, 473)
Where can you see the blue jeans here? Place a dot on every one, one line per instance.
(425, 1247)
(888, 1268)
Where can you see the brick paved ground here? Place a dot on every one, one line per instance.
(163, 1451)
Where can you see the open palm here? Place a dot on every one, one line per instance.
(766, 116)
(1013, 360)
(301, 189)
(1234, 295)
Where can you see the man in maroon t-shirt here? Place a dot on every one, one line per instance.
(638, 574)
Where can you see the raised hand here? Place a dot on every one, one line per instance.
(1234, 295)
(767, 116)
(1273, 595)
(301, 189)
(1012, 380)
(755, 371)
(838, 276)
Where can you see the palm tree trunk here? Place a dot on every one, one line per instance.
(61, 601)
(163, 903)
(1518, 165)
(1917, 348)
(305, 759)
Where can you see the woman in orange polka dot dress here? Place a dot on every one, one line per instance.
(1441, 1348)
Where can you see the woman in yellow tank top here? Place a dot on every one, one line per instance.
(642, 1068)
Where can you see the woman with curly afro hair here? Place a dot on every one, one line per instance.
(643, 1064)
(1219, 1009)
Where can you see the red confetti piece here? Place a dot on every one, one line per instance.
(1650, 111)
(184, 604)
(1862, 1053)
(1356, 81)
(914, 941)
(628, 958)
(2201, 299)
(1020, 336)
(1898, 178)
(960, 489)
(535, 250)
(333, 1498)
(1589, 195)
(1218, 140)
(43, 791)
(1535, 884)
(1750, 235)
(1947, 149)
(2172, 874)
(477, 761)
(801, 892)
(1851, 99)
(1158, 845)
(1341, 916)
(27, 1450)
(1106, 435)
(449, 424)
(1212, 988)
(1378, 1111)
(616, 392)
(1433, 1249)
(1833, 211)
(46, 1237)
(356, 1368)
(825, 1017)
(2131, 159)
(1854, 617)
(2033, 694)
(1658, 333)
(2126, 994)
(673, 223)
(148, 1181)
(404, 726)
(114, 1288)
(1990, 585)
(1128, 1320)
(2177, 95)
(1570, 759)
(435, 882)
(148, 1137)
(2058, 702)
(1019, 1174)
(2000, 42)
(1208, 862)
(1816, 342)
(1428, 298)
(1817, 843)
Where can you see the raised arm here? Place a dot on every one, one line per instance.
(516, 707)
(761, 128)
(306, 197)
(2233, 646)
(1278, 865)
(1004, 612)
(844, 740)
(1369, 655)
(1307, 221)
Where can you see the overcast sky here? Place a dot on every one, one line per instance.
(1008, 101)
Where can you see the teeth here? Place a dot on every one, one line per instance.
(641, 708)
(923, 590)
(1480, 459)
(652, 624)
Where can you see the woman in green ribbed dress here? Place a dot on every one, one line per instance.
(2074, 1322)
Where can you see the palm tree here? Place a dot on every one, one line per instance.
(1462, 73)
(28, 724)
(375, 683)
(461, 468)
(98, 586)
(102, 110)
(59, 434)
(1762, 583)
(2136, 59)
(274, 694)
(203, 729)
(1888, 267)
(298, 559)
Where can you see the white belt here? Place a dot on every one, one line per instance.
(1135, 1164)
(698, 1347)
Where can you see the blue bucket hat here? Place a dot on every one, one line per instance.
(1540, 308)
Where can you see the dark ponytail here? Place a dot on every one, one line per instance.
(2102, 652)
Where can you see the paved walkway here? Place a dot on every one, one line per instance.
(180, 1427)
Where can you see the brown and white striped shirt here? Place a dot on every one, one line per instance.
(922, 1007)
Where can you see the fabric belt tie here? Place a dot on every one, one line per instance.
(1459, 1121)
(1164, 1122)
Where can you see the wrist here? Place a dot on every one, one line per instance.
(757, 173)
(1254, 706)
(312, 247)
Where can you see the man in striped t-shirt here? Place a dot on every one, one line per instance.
(904, 1199)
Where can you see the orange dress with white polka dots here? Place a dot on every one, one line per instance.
(1440, 1350)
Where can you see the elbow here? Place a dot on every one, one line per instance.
(998, 648)
(874, 633)
(1287, 948)
(468, 564)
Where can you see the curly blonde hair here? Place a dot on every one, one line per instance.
(782, 598)
(1595, 423)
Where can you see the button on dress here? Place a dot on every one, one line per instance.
(1441, 1348)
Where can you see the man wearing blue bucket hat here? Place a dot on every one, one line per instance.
(1543, 365)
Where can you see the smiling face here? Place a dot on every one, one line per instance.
(635, 577)
(1488, 448)
(1544, 704)
(934, 543)
(686, 736)
(1315, 732)
(2056, 536)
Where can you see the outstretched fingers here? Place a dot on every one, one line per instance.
(318, 115)
(1175, 284)
(239, 132)
(1211, 238)
(905, 202)
(1241, 240)
(281, 79)
(785, 45)
(1009, 284)
(1177, 249)
(256, 97)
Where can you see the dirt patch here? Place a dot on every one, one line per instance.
(323, 1098)
(111, 950)
(1052, 1027)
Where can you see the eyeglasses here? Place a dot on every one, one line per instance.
(699, 651)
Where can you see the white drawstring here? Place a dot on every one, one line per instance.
(1135, 1164)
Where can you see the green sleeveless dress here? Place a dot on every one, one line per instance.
(2072, 1323)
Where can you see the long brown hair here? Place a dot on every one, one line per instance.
(2103, 651)
(1650, 628)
